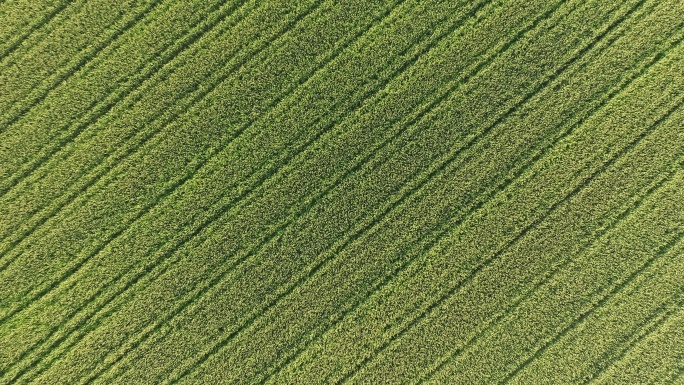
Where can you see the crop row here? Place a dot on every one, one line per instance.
(284, 50)
(20, 19)
(416, 347)
(613, 331)
(656, 359)
(61, 49)
(259, 240)
(133, 64)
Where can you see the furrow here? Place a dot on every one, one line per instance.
(490, 261)
(53, 78)
(646, 330)
(315, 139)
(499, 120)
(217, 14)
(547, 275)
(313, 271)
(559, 286)
(19, 38)
(89, 189)
(604, 298)
(538, 353)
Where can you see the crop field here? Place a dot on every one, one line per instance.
(341, 192)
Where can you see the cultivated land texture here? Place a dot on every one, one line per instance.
(341, 191)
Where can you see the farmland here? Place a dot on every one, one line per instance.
(341, 192)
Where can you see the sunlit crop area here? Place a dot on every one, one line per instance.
(341, 191)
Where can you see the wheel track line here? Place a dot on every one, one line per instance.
(275, 38)
(109, 163)
(264, 380)
(290, 359)
(282, 226)
(279, 230)
(145, 138)
(75, 193)
(549, 274)
(119, 95)
(498, 318)
(652, 324)
(75, 67)
(10, 59)
(46, 19)
(466, 215)
(527, 166)
(492, 259)
(663, 250)
(43, 221)
(198, 230)
(4, 319)
(574, 192)
(313, 272)
(606, 296)
(32, 95)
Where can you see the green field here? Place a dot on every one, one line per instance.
(341, 192)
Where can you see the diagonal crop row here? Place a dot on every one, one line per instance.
(634, 316)
(572, 268)
(11, 34)
(432, 308)
(66, 49)
(655, 359)
(399, 198)
(517, 302)
(646, 330)
(112, 172)
(292, 357)
(544, 277)
(541, 273)
(604, 295)
(443, 300)
(127, 64)
(353, 206)
(598, 235)
(250, 253)
(89, 151)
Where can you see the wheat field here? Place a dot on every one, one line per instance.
(341, 192)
